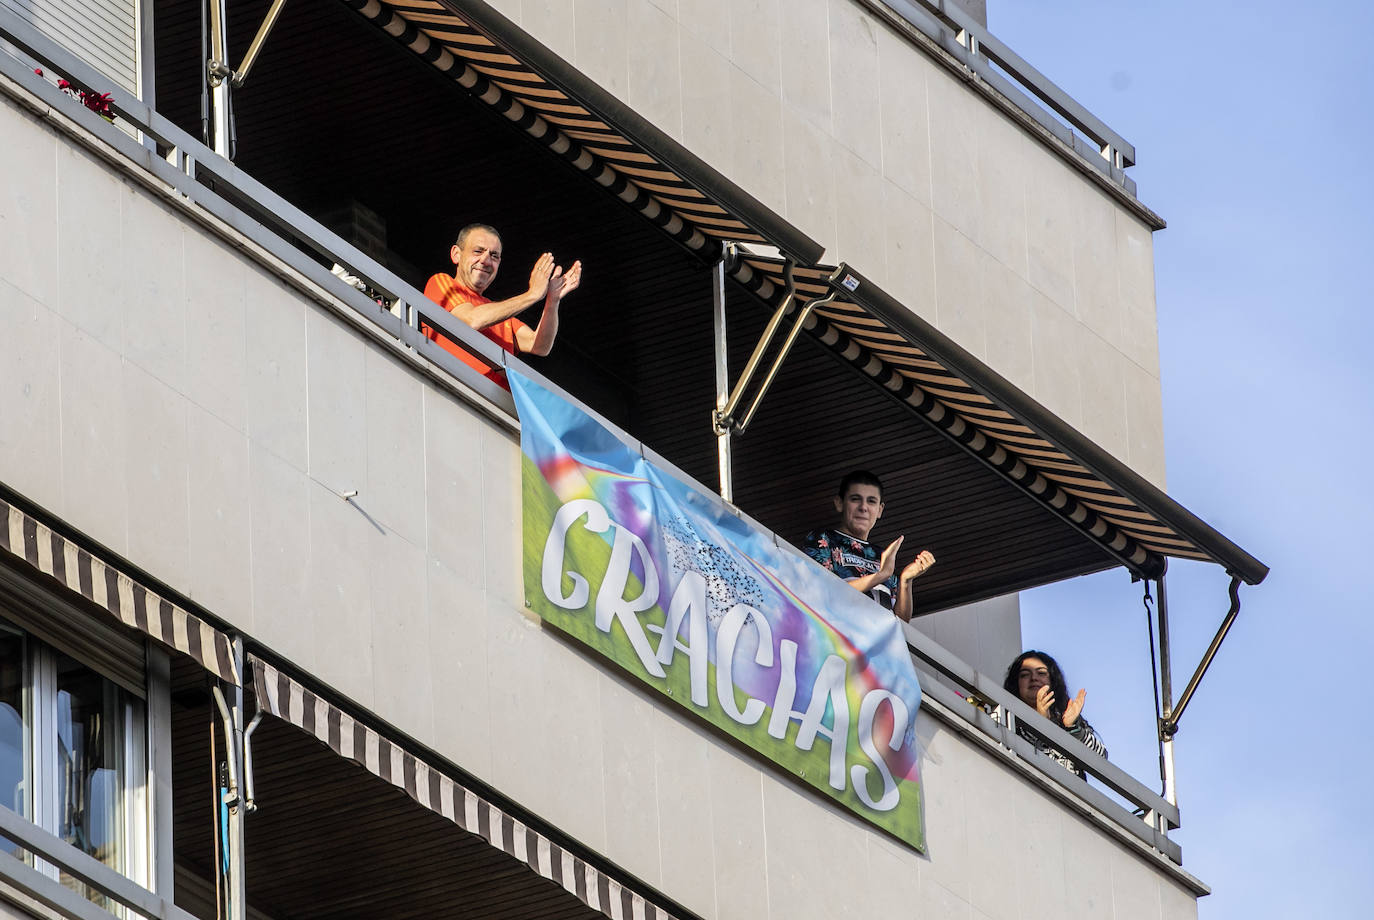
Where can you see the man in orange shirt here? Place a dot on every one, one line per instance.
(476, 259)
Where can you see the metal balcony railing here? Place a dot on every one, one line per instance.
(219, 190)
(86, 869)
(987, 710)
(978, 50)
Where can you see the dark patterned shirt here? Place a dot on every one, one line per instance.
(1080, 730)
(849, 557)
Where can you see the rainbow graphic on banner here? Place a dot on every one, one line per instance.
(681, 592)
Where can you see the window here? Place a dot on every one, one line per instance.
(73, 755)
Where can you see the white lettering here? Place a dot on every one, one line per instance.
(786, 693)
(612, 605)
(727, 635)
(868, 712)
(551, 569)
(689, 601)
(829, 687)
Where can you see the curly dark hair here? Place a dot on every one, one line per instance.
(1058, 686)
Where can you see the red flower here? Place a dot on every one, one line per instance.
(99, 104)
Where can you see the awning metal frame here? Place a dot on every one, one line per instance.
(1168, 725)
(233, 867)
(1005, 396)
(1167, 713)
(218, 67)
(726, 419)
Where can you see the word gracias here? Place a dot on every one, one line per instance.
(689, 604)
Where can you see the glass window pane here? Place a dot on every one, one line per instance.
(14, 737)
(90, 762)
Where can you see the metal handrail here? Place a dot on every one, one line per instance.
(199, 174)
(988, 708)
(82, 866)
(970, 43)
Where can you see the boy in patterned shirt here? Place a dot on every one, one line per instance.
(844, 549)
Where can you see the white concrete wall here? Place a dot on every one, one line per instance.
(175, 400)
(985, 635)
(15, 906)
(837, 122)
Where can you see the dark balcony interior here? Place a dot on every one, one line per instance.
(336, 114)
(330, 841)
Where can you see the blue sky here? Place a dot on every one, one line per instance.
(1252, 124)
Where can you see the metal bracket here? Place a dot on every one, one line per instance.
(219, 70)
(729, 258)
(979, 701)
(231, 793)
(1168, 726)
(249, 802)
(726, 418)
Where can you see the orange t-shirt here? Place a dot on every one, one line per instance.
(448, 292)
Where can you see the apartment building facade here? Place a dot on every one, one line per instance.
(269, 650)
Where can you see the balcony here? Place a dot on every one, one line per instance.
(317, 468)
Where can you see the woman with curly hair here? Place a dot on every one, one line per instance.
(1036, 679)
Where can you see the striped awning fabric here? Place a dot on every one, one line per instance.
(38, 546)
(971, 404)
(280, 695)
(509, 71)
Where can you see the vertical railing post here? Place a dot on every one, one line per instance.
(238, 882)
(724, 459)
(1166, 694)
(217, 69)
(230, 810)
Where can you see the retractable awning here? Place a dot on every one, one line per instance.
(641, 348)
(520, 78)
(387, 758)
(989, 417)
(1136, 523)
(42, 550)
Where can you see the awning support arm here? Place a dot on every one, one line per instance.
(729, 253)
(219, 64)
(1164, 691)
(216, 71)
(248, 798)
(727, 418)
(1168, 726)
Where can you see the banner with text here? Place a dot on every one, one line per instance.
(760, 641)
